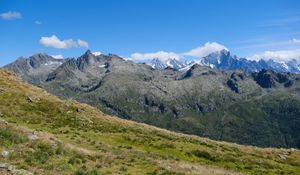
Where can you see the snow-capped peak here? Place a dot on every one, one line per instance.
(171, 62)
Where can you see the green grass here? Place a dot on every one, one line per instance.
(9, 138)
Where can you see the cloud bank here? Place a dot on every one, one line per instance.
(10, 15)
(210, 47)
(205, 50)
(198, 52)
(281, 55)
(296, 41)
(55, 42)
(161, 55)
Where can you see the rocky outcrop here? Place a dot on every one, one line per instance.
(11, 169)
(269, 78)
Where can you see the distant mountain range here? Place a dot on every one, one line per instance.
(260, 108)
(224, 60)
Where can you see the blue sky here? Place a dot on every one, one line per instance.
(124, 27)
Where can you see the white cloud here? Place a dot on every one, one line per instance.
(82, 43)
(10, 15)
(58, 56)
(162, 55)
(281, 55)
(296, 41)
(55, 42)
(198, 52)
(266, 44)
(210, 47)
(38, 22)
(97, 53)
(205, 50)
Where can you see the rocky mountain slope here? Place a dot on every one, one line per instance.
(41, 134)
(35, 68)
(261, 109)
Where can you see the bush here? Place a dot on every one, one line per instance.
(203, 154)
(60, 150)
(9, 137)
(76, 159)
(167, 145)
(42, 153)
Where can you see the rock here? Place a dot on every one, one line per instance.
(265, 79)
(33, 136)
(4, 165)
(7, 166)
(32, 99)
(5, 154)
(29, 99)
(53, 145)
(78, 110)
(13, 170)
(22, 172)
(289, 83)
(282, 156)
(2, 121)
(233, 85)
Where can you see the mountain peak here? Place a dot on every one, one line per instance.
(88, 52)
(41, 54)
(173, 63)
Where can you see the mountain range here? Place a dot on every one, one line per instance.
(224, 60)
(228, 101)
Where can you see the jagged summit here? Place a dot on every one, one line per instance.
(88, 52)
(36, 67)
(224, 60)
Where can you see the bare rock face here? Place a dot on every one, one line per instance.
(36, 68)
(269, 79)
(265, 79)
(233, 85)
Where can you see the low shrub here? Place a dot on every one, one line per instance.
(203, 154)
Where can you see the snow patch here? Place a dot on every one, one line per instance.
(52, 63)
(96, 53)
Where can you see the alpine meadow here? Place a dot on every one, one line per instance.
(150, 87)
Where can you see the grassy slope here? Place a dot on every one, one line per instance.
(77, 138)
